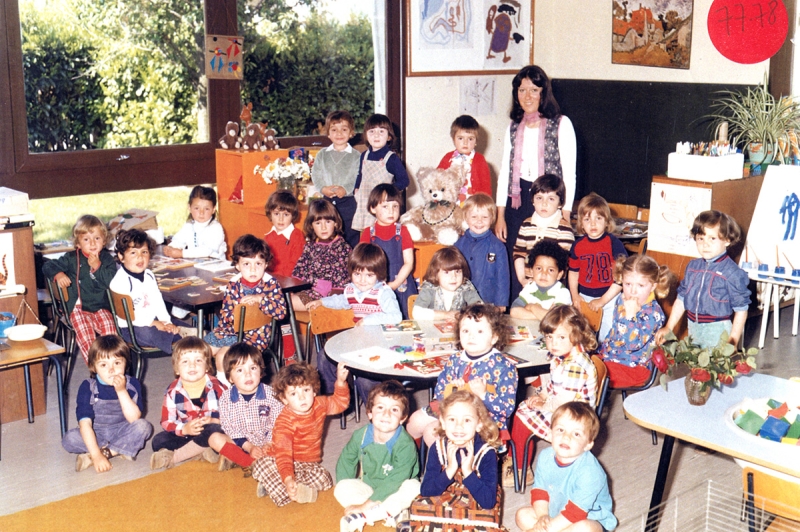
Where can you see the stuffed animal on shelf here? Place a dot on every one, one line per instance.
(440, 218)
(231, 138)
(252, 138)
(269, 135)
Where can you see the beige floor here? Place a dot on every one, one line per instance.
(35, 470)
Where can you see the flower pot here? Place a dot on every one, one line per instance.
(287, 183)
(696, 392)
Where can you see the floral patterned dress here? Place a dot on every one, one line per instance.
(326, 261)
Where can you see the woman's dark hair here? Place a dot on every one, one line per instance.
(548, 106)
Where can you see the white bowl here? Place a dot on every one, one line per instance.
(24, 333)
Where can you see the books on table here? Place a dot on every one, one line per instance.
(403, 326)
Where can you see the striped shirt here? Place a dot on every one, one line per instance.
(537, 228)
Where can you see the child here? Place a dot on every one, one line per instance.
(446, 289)
(394, 239)
(336, 168)
(479, 367)
(324, 257)
(190, 411)
(247, 410)
(713, 287)
(109, 409)
(293, 472)
(464, 132)
(637, 316)
(93, 267)
(450, 494)
(377, 166)
(548, 193)
(591, 261)
(255, 288)
(376, 472)
(571, 488)
(573, 377)
(202, 235)
(285, 241)
(485, 253)
(547, 262)
(153, 325)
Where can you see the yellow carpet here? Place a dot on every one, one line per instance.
(192, 497)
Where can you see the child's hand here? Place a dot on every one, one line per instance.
(534, 402)
(542, 524)
(194, 427)
(173, 253)
(101, 463)
(341, 374)
(632, 306)
(452, 464)
(253, 299)
(661, 335)
(291, 487)
(467, 456)
(62, 280)
(94, 261)
(594, 304)
(119, 383)
(311, 305)
(257, 452)
(478, 387)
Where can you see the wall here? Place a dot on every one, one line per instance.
(580, 50)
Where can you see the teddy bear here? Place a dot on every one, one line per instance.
(440, 218)
(252, 138)
(231, 139)
(269, 135)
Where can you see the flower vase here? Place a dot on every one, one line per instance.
(287, 183)
(695, 391)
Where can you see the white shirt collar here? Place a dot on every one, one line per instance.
(348, 149)
(286, 233)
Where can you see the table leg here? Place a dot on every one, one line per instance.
(293, 323)
(765, 316)
(796, 313)
(200, 323)
(776, 303)
(654, 514)
(60, 384)
(26, 369)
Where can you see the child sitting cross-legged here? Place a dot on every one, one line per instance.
(293, 472)
(376, 472)
(571, 489)
(190, 411)
(546, 265)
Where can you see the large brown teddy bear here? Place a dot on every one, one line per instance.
(440, 218)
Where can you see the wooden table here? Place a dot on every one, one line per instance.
(669, 412)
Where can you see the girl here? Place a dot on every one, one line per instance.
(446, 289)
(637, 317)
(394, 239)
(285, 241)
(86, 275)
(466, 444)
(377, 167)
(480, 367)
(202, 235)
(324, 258)
(573, 377)
(591, 260)
(255, 288)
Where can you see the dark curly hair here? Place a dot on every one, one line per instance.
(551, 249)
(133, 238)
(250, 246)
(497, 321)
(301, 374)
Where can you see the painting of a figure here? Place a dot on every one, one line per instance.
(654, 33)
(501, 22)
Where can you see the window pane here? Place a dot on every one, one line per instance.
(113, 74)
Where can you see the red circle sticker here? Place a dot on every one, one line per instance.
(748, 31)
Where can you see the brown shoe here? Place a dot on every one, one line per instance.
(83, 461)
(162, 459)
(305, 494)
(210, 455)
(225, 464)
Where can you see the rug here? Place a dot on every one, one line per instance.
(191, 497)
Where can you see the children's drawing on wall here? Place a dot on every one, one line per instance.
(654, 33)
(224, 57)
(6, 261)
(503, 24)
(477, 96)
(673, 209)
(445, 23)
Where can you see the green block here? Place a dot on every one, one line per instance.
(750, 421)
(794, 429)
(773, 403)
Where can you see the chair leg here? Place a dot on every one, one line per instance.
(72, 354)
(624, 396)
(307, 354)
(526, 459)
(423, 456)
(140, 366)
(655, 437)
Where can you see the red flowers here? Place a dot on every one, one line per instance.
(660, 360)
(725, 378)
(743, 368)
(701, 375)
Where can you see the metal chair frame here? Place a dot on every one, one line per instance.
(64, 331)
(244, 321)
(125, 303)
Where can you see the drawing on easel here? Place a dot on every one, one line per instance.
(673, 209)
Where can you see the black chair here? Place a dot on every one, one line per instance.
(64, 332)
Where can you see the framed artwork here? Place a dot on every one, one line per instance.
(224, 55)
(468, 37)
(656, 33)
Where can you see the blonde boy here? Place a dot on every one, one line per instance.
(464, 132)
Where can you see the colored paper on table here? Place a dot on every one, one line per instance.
(403, 326)
(427, 366)
(374, 357)
(520, 333)
(446, 327)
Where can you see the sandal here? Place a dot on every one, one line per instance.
(107, 453)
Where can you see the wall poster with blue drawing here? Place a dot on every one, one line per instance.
(469, 36)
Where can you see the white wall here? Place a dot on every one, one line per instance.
(572, 40)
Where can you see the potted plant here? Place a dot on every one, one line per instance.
(709, 367)
(286, 172)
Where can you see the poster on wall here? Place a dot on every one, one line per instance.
(773, 238)
(673, 209)
(655, 33)
(7, 277)
(463, 37)
(224, 57)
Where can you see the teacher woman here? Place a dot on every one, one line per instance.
(539, 140)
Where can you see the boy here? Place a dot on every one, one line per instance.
(713, 287)
(335, 170)
(546, 265)
(109, 409)
(190, 411)
(464, 132)
(284, 239)
(485, 253)
(387, 455)
(571, 487)
(294, 471)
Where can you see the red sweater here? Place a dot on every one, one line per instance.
(479, 174)
(285, 253)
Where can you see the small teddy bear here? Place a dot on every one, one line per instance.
(269, 135)
(440, 218)
(231, 138)
(252, 137)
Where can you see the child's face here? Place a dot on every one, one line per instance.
(460, 423)
(711, 244)
(377, 137)
(544, 272)
(450, 280)
(201, 210)
(476, 336)
(570, 439)
(558, 342)
(363, 279)
(479, 220)
(594, 224)
(192, 366)
(246, 375)
(108, 368)
(91, 243)
(637, 286)
(546, 203)
(324, 229)
(134, 259)
(464, 142)
(387, 212)
(339, 133)
(299, 399)
(281, 219)
(252, 268)
(386, 414)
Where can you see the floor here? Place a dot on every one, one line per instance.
(35, 470)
